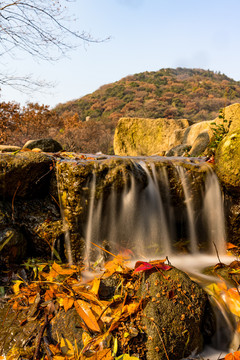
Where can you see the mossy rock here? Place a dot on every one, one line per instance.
(227, 163)
(24, 174)
(138, 136)
(45, 144)
(231, 114)
(175, 316)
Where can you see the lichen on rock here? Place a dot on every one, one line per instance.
(227, 163)
(139, 136)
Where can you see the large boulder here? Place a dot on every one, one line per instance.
(231, 114)
(45, 144)
(138, 136)
(193, 131)
(200, 144)
(175, 315)
(227, 163)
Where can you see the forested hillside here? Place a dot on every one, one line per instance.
(194, 94)
(88, 124)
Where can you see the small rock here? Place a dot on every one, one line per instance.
(46, 145)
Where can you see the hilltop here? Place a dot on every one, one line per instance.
(194, 94)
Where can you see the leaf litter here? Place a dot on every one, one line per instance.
(107, 325)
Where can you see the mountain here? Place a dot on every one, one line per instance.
(194, 94)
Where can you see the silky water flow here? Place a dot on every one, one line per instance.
(148, 223)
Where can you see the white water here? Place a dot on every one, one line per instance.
(145, 221)
(190, 209)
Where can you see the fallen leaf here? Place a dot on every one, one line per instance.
(231, 246)
(67, 303)
(233, 356)
(144, 266)
(85, 312)
(66, 347)
(95, 286)
(16, 286)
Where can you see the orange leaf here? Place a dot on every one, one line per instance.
(233, 301)
(233, 356)
(85, 312)
(49, 294)
(81, 291)
(95, 286)
(67, 303)
(230, 246)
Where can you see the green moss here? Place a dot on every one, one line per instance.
(227, 161)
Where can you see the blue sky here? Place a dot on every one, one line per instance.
(146, 35)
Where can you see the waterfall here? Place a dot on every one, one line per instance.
(190, 209)
(214, 212)
(158, 219)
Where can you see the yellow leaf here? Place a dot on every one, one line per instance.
(85, 312)
(61, 271)
(130, 309)
(66, 347)
(95, 286)
(16, 286)
(86, 338)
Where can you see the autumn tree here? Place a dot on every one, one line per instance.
(19, 124)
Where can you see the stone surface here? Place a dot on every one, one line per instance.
(200, 144)
(46, 145)
(231, 114)
(13, 245)
(194, 130)
(179, 150)
(9, 148)
(227, 164)
(137, 136)
(25, 174)
(175, 315)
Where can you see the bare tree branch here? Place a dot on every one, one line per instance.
(38, 28)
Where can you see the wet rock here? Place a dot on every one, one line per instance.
(232, 214)
(46, 145)
(25, 174)
(67, 325)
(179, 150)
(12, 333)
(174, 316)
(41, 222)
(13, 245)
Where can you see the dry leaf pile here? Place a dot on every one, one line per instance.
(108, 326)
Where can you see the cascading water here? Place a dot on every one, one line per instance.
(148, 222)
